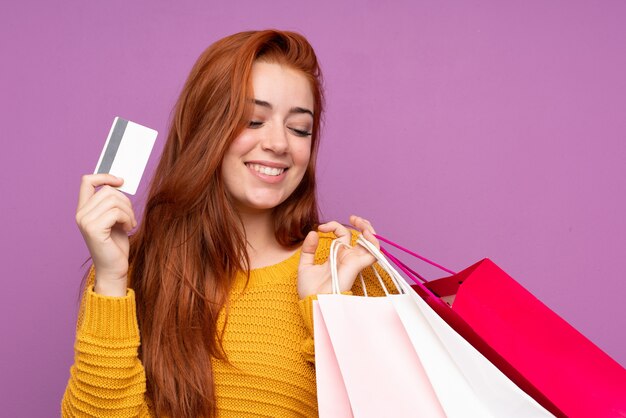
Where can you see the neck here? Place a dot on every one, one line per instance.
(263, 248)
(259, 229)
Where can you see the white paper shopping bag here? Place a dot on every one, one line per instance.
(332, 398)
(466, 383)
(380, 371)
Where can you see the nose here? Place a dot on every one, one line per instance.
(275, 139)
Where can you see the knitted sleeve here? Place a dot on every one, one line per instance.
(370, 280)
(107, 378)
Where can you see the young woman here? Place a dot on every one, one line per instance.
(219, 278)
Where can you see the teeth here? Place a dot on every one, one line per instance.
(268, 171)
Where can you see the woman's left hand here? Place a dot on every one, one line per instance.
(315, 278)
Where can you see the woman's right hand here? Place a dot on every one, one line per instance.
(105, 217)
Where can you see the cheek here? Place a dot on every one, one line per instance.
(241, 145)
(232, 157)
(302, 154)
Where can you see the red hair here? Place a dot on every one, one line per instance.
(191, 241)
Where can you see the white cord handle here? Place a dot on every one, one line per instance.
(396, 279)
(382, 261)
(334, 277)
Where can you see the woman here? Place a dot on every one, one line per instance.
(229, 256)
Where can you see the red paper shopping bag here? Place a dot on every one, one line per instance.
(536, 348)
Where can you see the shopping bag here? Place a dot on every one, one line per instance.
(332, 397)
(468, 333)
(537, 349)
(466, 383)
(365, 363)
(393, 356)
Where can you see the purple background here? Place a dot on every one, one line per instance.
(461, 129)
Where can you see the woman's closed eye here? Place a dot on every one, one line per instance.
(255, 124)
(301, 132)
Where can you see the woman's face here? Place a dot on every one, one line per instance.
(266, 162)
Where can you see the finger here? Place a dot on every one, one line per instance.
(116, 217)
(362, 224)
(110, 195)
(340, 231)
(84, 218)
(87, 219)
(105, 193)
(96, 223)
(309, 247)
(94, 218)
(368, 235)
(89, 182)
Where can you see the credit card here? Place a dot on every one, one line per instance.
(126, 152)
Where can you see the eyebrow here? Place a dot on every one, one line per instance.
(296, 109)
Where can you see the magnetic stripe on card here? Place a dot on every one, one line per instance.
(114, 145)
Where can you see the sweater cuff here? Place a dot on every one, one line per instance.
(306, 310)
(110, 317)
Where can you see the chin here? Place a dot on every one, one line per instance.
(258, 202)
(261, 205)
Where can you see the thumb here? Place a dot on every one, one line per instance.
(309, 246)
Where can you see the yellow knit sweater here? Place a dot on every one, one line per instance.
(268, 340)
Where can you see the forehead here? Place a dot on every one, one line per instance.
(282, 86)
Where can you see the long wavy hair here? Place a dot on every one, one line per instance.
(191, 241)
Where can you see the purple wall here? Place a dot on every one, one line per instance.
(463, 131)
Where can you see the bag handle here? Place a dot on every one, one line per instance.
(416, 255)
(426, 292)
(401, 285)
(332, 258)
(415, 276)
(396, 277)
(335, 246)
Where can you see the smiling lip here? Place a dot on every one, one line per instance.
(266, 178)
(268, 164)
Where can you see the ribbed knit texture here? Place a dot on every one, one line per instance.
(268, 340)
